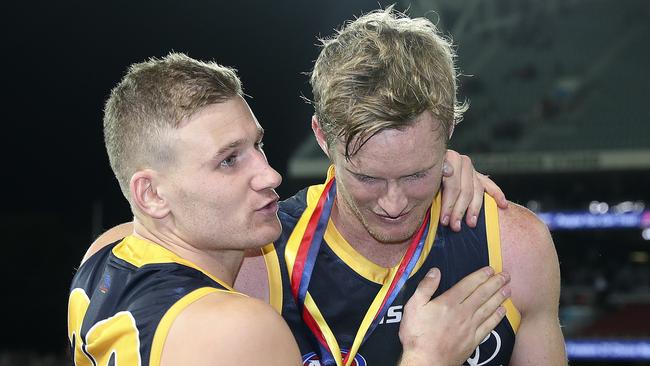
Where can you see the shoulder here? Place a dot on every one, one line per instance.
(519, 223)
(228, 328)
(529, 256)
(112, 235)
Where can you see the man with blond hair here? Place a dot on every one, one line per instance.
(187, 153)
(353, 249)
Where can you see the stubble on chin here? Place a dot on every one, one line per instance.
(390, 239)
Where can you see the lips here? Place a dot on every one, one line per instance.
(390, 219)
(270, 205)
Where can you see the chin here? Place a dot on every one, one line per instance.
(391, 237)
(269, 233)
(393, 234)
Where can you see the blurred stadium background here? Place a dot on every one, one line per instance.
(558, 117)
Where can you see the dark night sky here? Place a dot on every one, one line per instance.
(60, 61)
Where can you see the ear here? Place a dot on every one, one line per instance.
(146, 195)
(320, 136)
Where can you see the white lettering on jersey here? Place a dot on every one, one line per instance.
(393, 315)
(475, 359)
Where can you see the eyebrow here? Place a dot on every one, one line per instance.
(231, 146)
(403, 176)
(237, 143)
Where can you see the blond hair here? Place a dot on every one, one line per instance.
(379, 72)
(152, 99)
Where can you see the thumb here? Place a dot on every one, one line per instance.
(426, 288)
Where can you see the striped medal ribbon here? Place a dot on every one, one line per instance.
(301, 263)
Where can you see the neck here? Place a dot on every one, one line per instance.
(221, 263)
(354, 232)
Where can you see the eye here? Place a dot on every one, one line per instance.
(228, 162)
(366, 179)
(416, 176)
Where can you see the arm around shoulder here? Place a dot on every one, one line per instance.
(229, 329)
(529, 256)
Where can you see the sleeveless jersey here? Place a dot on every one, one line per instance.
(124, 299)
(344, 284)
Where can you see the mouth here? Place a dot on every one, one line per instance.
(393, 219)
(271, 206)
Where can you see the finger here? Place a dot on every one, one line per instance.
(486, 291)
(466, 193)
(489, 324)
(465, 287)
(493, 190)
(475, 205)
(425, 290)
(450, 185)
(491, 305)
(447, 169)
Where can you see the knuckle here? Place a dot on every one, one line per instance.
(481, 313)
(452, 154)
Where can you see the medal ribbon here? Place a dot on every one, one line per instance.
(302, 260)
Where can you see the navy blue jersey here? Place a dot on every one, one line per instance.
(124, 299)
(344, 284)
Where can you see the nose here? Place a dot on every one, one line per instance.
(265, 176)
(393, 202)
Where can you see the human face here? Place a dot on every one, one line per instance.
(220, 187)
(385, 189)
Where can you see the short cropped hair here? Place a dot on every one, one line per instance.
(381, 71)
(152, 99)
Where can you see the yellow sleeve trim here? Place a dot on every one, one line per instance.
(274, 276)
(494, 252)
(168, 319)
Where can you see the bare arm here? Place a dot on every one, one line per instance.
(227, 329)
(529, 255)
(444, 331)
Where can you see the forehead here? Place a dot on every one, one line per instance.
(219, 125)
(399, 151)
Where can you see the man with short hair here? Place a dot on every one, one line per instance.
(187, 153)
(353, 249)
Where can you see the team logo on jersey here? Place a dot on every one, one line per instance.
(491, 345)
(105, 284)
(312, 359)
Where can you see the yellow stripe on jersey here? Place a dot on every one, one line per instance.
(494, 252)
(369, 269)
(140, 252)
(168, 319)
(313, 193)
(357, 262)
(274, 276)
